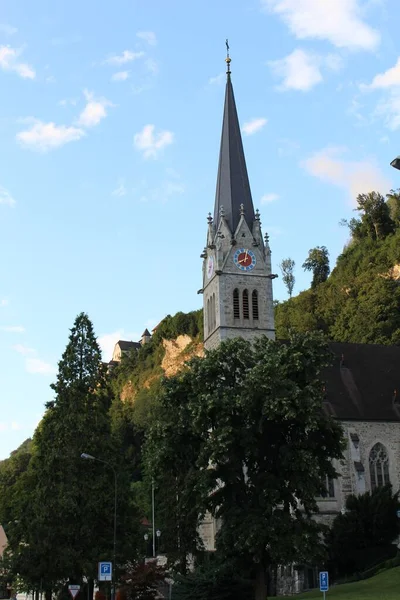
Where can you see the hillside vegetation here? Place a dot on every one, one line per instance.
(359, 302)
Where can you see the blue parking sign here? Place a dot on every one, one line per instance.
(105, 571)
(324, 581)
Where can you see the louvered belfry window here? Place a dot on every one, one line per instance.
(236, 307)
(254, 301)
(246, 314)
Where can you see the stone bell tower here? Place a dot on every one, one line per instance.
(237, 277)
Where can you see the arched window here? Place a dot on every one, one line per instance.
(379, 466)
(236, 308)
(246, 314)
(254, 303)
(213, 312)
(208, 316)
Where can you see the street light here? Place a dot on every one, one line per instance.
(396, 163)
(105, 462)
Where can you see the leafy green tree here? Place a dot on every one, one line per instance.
(375, 215)
(317, 262)
(141, 581)
(363, 535)
(393, 203)
(251, 415)
(287, 268)
(65, 508)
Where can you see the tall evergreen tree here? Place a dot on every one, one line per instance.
(68, 512)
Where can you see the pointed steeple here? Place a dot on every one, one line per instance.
(233, 188)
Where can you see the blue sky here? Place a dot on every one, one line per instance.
(110, 120)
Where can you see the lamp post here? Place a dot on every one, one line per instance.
(105, 462)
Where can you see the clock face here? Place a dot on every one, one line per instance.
(244, 259)
(210, 267)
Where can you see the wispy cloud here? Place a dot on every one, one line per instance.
(24, 350)
(268, 198)
(337, 21)
(7, 29)
(125, 57)
(120, 76)
(388, 79)
(94, 111)
(301, 70)
(9, 62)
(354, 176)
(48, 136)
(218, 79)
(38, 366)
(254, 125)
(147, 36)
(150, 143)
(6, 197)
(120, 189)
(3, 302)
(12, 328)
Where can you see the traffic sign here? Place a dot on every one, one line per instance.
(105, 571)
(398, 514)
(74, 590)
(324, 581)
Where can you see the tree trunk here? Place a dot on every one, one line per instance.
(260, 587)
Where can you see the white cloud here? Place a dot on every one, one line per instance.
(356, 177)
(389, 109)
(268, 198)
(150, 143)
(67, 101)
(7, 29)
(254, 125)
(388, 79)
(120, 76)
(38, 366)
(48, 136)
(107, 341)
(151, 65)
(218, 79)
(3, 302)
(12, 328)
(6, 197)
(338, 21)
(148, 36)
(24, 350)
(299, 70)
(125, 57)
(120, 190)
(94, 111)
(9, 62)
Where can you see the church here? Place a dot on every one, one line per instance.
(361, 386)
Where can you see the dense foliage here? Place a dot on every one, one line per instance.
(360, 300)
(243, 433)
(363, 535)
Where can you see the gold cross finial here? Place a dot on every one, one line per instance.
(228, 58)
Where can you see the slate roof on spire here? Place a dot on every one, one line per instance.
(233, 188)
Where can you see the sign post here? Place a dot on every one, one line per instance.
(105, 571)
(74, 590)
(324, 582)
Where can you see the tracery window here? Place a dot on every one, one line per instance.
(246, 314)
(379, 466)
(236, 308)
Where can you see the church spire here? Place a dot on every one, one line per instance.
(233, 188)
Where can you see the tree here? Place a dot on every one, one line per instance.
(287, 268)
(317, 262)
(393, 203)
(363, 535)
(65, 509)
(263, 446)
(375, 215)
(141, 581)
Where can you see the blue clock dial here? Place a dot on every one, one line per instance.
(245, 260)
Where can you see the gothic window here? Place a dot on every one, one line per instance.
(254, 301)
(213, 312)
(379, 466)
(208, 316)
(236, 309)
(329, 488)
(245, 304)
